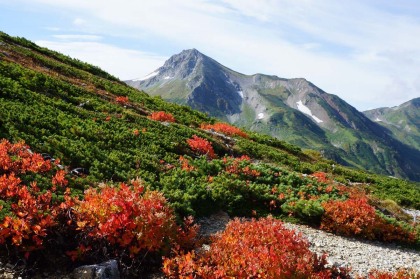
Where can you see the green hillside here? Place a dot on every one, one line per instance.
(88, 119)
(402, 121)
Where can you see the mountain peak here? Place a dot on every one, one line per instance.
(188, 58)
(191, 51)
(187, 54)
(182, 64)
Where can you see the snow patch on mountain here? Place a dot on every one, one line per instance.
(241, 93)
(302, 108)
(168, 77)
(148, 76)
(261, 115)
(377, 119)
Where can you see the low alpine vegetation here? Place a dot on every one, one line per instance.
(261, 248)
(225, 128)
(201, 146)
(129, 219)
(162, 116)
(28, 214)
(355, 217)
(400, 274)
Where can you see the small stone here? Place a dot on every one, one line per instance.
(106, 270)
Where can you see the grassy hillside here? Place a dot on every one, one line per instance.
(88, 119)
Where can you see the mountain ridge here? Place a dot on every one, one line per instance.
(294, 110)
(403, 121)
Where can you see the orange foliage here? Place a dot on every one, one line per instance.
(162, 116)
(126, 219)
(252, 249)
(349, 217)
(185, 164)
(201, 146)
(400, 274)
(129, 217)
(321, 177)
(224, 128)
(121, 99)
(33, 212)
(16, 158)
(233, 166)
(356, 217)
(60, 178)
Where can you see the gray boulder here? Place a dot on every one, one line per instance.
(105, 270)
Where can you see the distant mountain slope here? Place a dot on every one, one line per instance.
(294, 110)
(403, 121)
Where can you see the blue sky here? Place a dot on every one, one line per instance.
(365, 51)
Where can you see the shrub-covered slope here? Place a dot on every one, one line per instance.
(73, 111)
(107, 134)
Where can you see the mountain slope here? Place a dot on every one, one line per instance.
(111, 143)
(293, 110)
(403, 121)
(71, 110)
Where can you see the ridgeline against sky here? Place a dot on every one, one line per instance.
(366, 52)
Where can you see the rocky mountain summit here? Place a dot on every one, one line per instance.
(294, 110)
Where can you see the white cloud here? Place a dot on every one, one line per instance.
(123, 63)
(359, 50)
(78, 37)
(50, 28)
(79, 22)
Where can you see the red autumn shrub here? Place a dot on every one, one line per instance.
(349, 217)
(32, 212)
(162, 116)
(356, 217)
(17, 158)
(129, 218)
(252, 249)
(121, 99)
(224, 128)
(60, 178)
(240, 166)
(400, 274)
(185, 164)
(201, 146)
(321, 177)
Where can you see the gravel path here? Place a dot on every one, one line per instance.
(362, 256)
